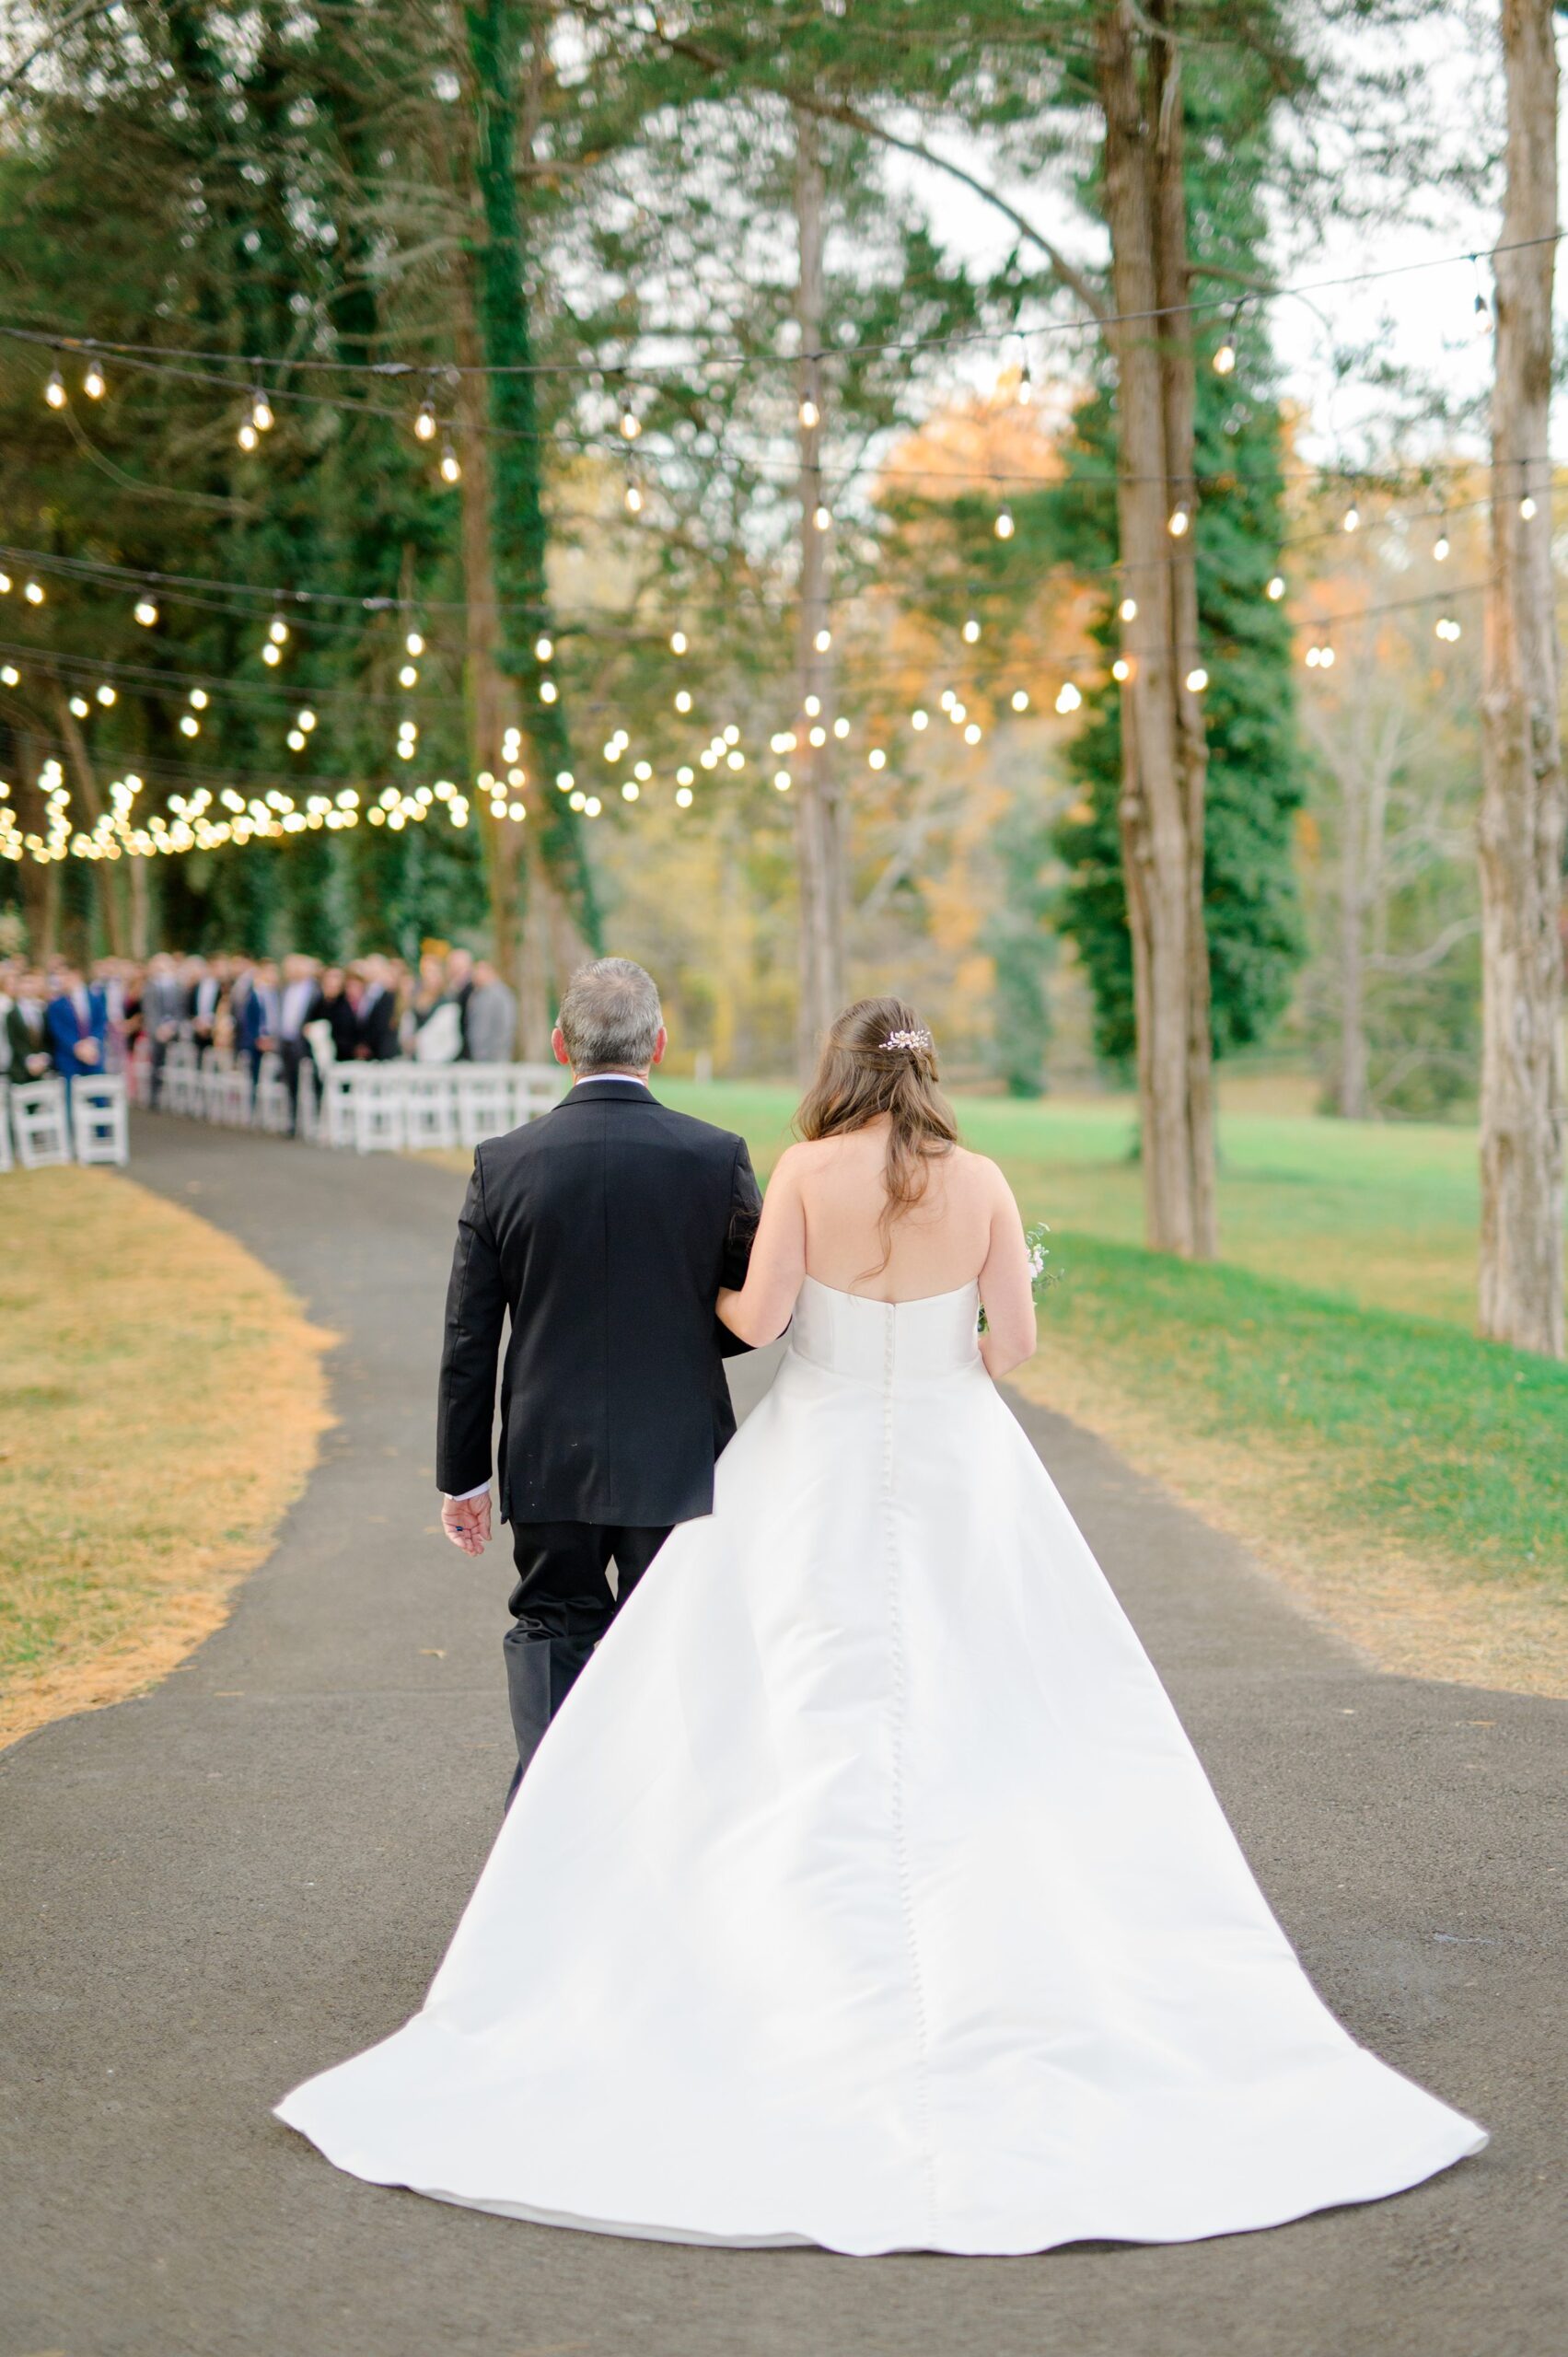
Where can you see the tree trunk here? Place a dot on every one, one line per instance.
(819, 853)
(1163, 756)
(111, 904)
(1523, 794)
(1354, 881)
(518, 530)
(40, 880)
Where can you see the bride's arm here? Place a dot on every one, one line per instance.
(1006, 1288)
(760, 1308)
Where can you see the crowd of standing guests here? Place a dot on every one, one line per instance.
(61, 1019)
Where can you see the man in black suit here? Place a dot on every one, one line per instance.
(605, 1230)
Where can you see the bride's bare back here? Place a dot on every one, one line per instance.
(821, 1219)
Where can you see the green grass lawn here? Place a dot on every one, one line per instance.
(1332, 1342)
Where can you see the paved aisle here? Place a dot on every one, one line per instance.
(216, 1889)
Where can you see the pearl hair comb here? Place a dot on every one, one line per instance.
(912, 1043)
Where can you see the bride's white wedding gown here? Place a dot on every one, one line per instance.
(867, 1893)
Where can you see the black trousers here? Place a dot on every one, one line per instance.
(561, 1607)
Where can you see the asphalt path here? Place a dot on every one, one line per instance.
(216, 1889)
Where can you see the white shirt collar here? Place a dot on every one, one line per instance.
(638, 1077)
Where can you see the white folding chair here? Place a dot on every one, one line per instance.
(485, 1102)
(39, 1123)
(380, 1113)
(5, 1125)
(225, 1095)
(304, 1109)
(100, 1121)
(340, 1086)
(139, 1073)
(430, 1102)
(535, 1089)
(182, 1080)
(270, 1109)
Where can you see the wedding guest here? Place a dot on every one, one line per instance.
(460, 985)
(297, 1003)
(491, 1016)
(259, 1020)
(163, 1011)
(204, 985)
(76, 1020)
(377, 1012)
(27, 1032)
(431, 1030)
(336, 1009)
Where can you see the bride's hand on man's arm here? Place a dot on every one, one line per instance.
(759, 1311)
(1006, 1289)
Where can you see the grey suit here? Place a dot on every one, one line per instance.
(491, 1024)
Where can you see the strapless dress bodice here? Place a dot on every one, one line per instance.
(886, 1341)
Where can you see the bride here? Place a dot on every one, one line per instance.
(866, 1892)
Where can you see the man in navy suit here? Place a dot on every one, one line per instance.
(77, 1023)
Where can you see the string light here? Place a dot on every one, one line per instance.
(199, 699)
(822, 518)
(424, 422)
(33, 592)
(106, 694)
(414, 641)
(409, 676)
(277, 630)
(1527, 507)
(1352, 517)
(919, 721)
(684, 797)
(451, 468)
(682, 699)
(1128, 609)
(1068, 696)
(1225, 357)
(1121, 668)
(1440, 546)
(55, 391)
(93, 383)
(633, 499)
(1020, 699)
(971, 630)
(1447, 627)
(876, 759)
(261, 411)
(246, 436)
(973, 732)
(841, 727)
(304, 720)
(188, 724)
(145, 612)
(1196, 679)
(811, 415)
(678, 642)
(9, 676)
(79, 706)
(543, 649)
(1178, 523)
(631, 424)
(1004, 527)
(822, 640)
(548, 692)
(782, 781)
(1276, 587)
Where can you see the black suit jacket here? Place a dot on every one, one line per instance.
(605, 1229)
(377, 1025)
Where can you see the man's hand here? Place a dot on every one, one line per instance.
(466, 1521)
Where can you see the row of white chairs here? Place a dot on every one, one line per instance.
(366, 1108)
(43, 1121)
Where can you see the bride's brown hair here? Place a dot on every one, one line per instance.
(879, 1058)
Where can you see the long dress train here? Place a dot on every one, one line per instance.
(867, 1893)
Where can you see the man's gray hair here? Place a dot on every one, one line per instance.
(611, 1016)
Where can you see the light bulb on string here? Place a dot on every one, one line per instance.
(425, 421)
(1020, 699)
(1440, 545)
(682, 699)
(34, 594)
(1178, 522)
(1068, 696)
(79, 706)
(55, 391)
(633, 499)
(971, 630)
(1352, 520)
(9, 676)
(1003, 526)
(1527, 507)
(451, 468)
(198, 699)
(106, 694)
(246, 436)
(1196, 679)
(1224, 355)
(1128, 609)
(543, 649)
(409, 676)
(811, 415)
(1447, 628)
(919, 720)
(548, 692)
(414, 641)
(1121, 668)
(261, 411)
(145, 612)
(1276, 587)
(94, 384)
(822, 640)
(188, 724)
(822, 518)
(631, 424)
(277, 630)
(678, 642)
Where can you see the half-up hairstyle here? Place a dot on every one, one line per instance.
(879, 1058)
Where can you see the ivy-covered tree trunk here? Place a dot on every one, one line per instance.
(1162, 725)
(818, 852)
(1523, 801)
(519, 534)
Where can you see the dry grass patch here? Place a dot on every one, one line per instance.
(162, 1396)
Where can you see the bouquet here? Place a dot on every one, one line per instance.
(1041, 1279)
